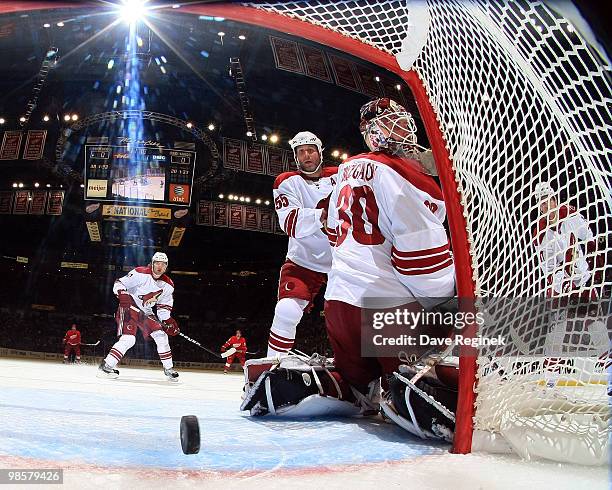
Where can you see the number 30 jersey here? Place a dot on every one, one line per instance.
(390, 244)
(299, 201)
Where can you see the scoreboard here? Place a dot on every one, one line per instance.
(139, 174)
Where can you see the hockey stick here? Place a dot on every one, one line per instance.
(223, 355)
(83, 343)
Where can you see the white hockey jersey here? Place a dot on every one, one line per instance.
(148, 292)
(299, 201)
(560, 249)
(391, 246)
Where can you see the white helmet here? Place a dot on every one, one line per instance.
(543, 191)
(306, 138)
(159, 257)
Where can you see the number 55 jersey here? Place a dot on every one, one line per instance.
(390, 243)
(300, 201)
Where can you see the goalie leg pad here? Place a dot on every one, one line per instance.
(415, 412)
(294, 393)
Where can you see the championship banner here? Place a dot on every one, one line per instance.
(250, 218)
(11, 144)
(277, 228)
(276, 161)
(220, 214)
(39, 200)
(255, 159)
(22, 202)
(55, 202)
(343, 72)
(6, 202)
(35, 144)
(204, 216)
(286, 55)
(265, 220)
(289, 161)
(369, 85)
(315, 63)
(236, 216)
(136, 212)
(233, 154)
(179, 193)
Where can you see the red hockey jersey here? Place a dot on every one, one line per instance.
(72, 337)
(237, 343)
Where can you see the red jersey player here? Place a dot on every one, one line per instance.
(139, 292)
(72, 343)
(301, 199)
(238, 342)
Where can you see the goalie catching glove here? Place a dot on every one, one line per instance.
(171, 327)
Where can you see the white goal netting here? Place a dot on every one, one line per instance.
(523, 102)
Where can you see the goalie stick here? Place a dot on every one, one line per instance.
(223, 355)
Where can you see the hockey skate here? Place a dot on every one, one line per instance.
(171, 374)
(104, 370)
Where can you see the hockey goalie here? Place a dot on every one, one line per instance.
(391, 249)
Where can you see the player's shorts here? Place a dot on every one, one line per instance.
(343, 323)
(128, 321)
(299, 282)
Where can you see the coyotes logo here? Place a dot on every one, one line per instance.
(150, 299)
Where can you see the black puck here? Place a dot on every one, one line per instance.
(190, 434)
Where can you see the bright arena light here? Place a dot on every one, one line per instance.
(133, 10)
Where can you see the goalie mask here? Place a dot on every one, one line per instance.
(306, 138)
(387, 126)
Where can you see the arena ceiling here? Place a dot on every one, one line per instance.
(183, 68)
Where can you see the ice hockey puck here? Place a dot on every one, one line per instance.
(190, 434)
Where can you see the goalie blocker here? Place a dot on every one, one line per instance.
(298, 386)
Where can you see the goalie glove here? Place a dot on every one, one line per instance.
(171, 327)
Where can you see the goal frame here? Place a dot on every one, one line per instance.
(456, 219)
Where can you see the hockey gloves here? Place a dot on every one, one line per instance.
(171, 327)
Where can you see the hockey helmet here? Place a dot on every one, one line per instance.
(387, 126)
(543, 190)
(306, 138)
(159, 257)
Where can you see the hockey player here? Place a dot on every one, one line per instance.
(391, 250)
(566, 248)
(391, 246)
(572, 267)
(238, 342)
(72, 343)
(140, 292)
(300, 199)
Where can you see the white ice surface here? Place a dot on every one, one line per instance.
(124, 433)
